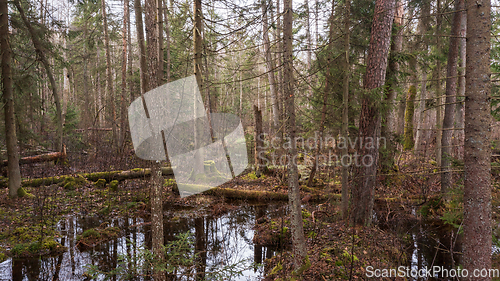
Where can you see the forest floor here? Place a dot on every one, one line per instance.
(336, 251)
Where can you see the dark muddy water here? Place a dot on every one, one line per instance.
(219, 243)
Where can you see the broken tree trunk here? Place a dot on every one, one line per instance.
(259, 141)
(53, 156)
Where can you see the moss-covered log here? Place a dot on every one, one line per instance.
(258, 195)
(108, 176)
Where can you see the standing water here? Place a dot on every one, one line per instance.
(223, 247)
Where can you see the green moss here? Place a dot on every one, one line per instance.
(250, 176)
(21, 192)
(100, 183)
(110, 231)
(34, 247)
(69, 186)
(113, 185)
(348, 256)
(91, 233)
(50, 244)
(169, 182)
(131, 205)
(137, 170)
(19, 250)
(305, 214)
(431, 207)
(276, 269)
(306, 264)
(43, 181)
(312, 234)
(2, 257)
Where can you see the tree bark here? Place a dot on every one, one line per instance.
(270, 67)
(451, 92)
(142, 48)
(459, 110)
(156, 179)
(167, 47)
(422, 114)
(259, 143)
(40, 50)
(477, 189)
(439, 132)
(410, 110)
(369, 123)
(328, 88)
(345, 110)
(298, 240)
(392, 72)
(309, 49)
(109, 75)
(8, 100)
(159, 16)
(54, 156)
(388, 129)
(123, 106)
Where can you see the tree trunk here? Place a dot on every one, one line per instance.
(40, 50)
(439, 131)
(459, 110)
(298, 241)
(369, 122)
(270, 67)
(53, 156)
(309, 49)
(123, 105)
(451, 92)
(156, 179)
(167, 31)
(87, 116)
(8, 100)
(392, 72)
(410, 109)
(279, 53)
(142, 48)
(259, 143)
(198, 72)
(477, 189)
(197, 44)
(98, 99)
(328, 88)
(387, 131)
(109, 76)
(131, 84)
(345, 110)
(422, 113)
(159, 16)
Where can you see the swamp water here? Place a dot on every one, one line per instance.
(220, 242)
(223, 244)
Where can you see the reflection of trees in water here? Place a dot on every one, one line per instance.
(431, 245)
(217, 241)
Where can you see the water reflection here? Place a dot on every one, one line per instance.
(428, 242)
(221, 241)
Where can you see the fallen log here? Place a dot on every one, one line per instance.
(108, 176)
(53, 156)
(95, 129)
(232, 193)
